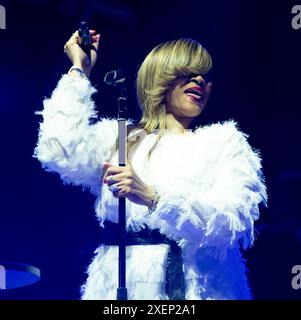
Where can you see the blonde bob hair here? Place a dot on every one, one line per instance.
(163, 67)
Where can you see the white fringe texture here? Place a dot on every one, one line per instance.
(210, 183)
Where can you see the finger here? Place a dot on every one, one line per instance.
(73, 39)
(115, 194)
(95, 38)
(120, 192)
(112, 170)
(106, 165)
(120, 180)
(95, 46)
(95, 41)
(123, 192)
(111, 178)
(74, 36)
(114, 188)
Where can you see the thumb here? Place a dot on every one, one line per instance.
(106, 165)
(95, 41)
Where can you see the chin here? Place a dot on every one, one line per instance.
(193, 109)
(193, 113)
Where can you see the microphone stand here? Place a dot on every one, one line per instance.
(122, 151)
(117, 79)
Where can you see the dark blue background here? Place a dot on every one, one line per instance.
(257, 62)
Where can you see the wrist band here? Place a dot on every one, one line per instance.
(80, 71)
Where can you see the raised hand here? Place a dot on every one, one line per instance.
(76, 54)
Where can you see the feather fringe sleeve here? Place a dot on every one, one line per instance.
(68, 144)
(225, 215)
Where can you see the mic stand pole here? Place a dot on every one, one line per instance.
(122, 151)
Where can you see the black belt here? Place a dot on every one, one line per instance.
(175, 283)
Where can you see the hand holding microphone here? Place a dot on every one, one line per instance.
(82, 54)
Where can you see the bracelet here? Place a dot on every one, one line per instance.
(154, 201)
(80, 71)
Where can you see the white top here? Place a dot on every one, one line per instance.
(210, 185)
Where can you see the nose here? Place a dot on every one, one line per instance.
(199, 80)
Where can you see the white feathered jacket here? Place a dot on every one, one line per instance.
(210, 185)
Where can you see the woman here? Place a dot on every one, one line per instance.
(192, 195)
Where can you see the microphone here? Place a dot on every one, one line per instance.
(115, 78)
(85, 39)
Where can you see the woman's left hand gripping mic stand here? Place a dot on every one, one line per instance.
(117, 79)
